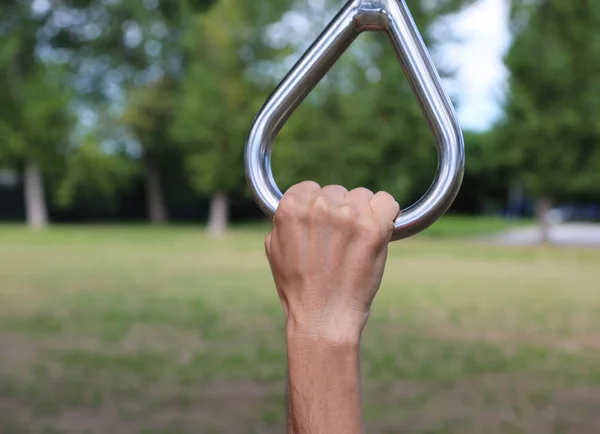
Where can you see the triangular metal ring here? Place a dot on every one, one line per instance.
(392, 17)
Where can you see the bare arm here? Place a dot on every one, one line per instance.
(327, 253)
(324, 384)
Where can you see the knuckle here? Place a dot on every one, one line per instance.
(386, 203)
(303, 187)
(348, 214)
(309, 184)
(363, 191)
(321, 206)
(289, 207)
(386, 197)
(334, 188)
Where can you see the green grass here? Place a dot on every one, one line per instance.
(458, 226)
(130, 329)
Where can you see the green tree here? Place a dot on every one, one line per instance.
(551, 133)
(35, 119)
(488, 186)
(110, 44)
(149, 117)
(92, 172)
(125, 58)
(217, 100)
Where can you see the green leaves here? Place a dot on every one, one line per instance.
(217, 102)
(551, 125)
(178, 83)
(149, 113)
(90, 171)
(36, 120)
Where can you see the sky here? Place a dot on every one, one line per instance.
(481, 75)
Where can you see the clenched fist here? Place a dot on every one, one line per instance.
(327, 252)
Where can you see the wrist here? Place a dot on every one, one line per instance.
(317, 348)
(336, 330)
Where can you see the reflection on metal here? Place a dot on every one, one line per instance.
(357, 16)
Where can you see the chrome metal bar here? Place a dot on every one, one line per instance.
(392, 17)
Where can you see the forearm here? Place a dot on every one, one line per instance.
(324, 384)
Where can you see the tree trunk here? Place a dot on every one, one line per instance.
(35, 201)
(155, 200)
(544, 206)
(218, 218)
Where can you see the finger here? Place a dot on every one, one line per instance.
(360, 197)
(304, 188)
(295, 201)
(385, 207)
(335, 192)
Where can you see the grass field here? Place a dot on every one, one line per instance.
(132, 330)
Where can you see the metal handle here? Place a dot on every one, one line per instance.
(393, 18)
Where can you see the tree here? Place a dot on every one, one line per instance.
(125, 58)
(149, 116)
(332, 137)
(90, 171)
(550, 132)
(488, 180)
(35, 117)
(217, 100)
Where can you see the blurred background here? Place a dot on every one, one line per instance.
(134, 292)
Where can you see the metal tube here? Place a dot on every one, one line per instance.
(392, 17)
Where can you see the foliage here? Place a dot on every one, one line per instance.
(97, 93)
(551, 132)
(149, 114)
(217, 100)
(122, 42)
(93, 172)
(35, 120)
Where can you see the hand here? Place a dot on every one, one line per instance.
(327, 252)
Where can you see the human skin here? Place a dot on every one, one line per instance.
(327, 251)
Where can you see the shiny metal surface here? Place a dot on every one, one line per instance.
(393, 18)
